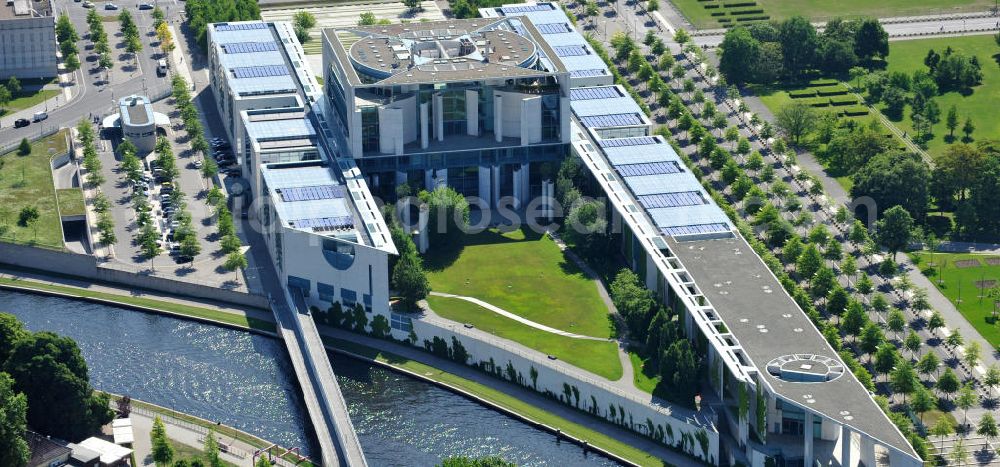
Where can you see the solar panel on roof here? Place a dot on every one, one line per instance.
(583, 94)
(240, 26)
(671, 200)
(325, 223)
(260, 71)
(312, 193)
(623, 142)
(249, 47)
(553, 28)
(611, 120)
(525, 8)
(695, 229)
(588, 73)
(571, 50)
(648, 168)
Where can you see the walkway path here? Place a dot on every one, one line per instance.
(520, 319)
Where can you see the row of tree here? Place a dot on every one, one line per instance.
(99, 37)
(770, 51)
(164, 454)
(67, 38)
(92, 163)
(43, 385)
(191, 119)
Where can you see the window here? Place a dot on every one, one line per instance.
(299, 283)
(326, 292)
(367, 300)
(349, 297)
(401, 322)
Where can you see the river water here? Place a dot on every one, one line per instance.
(246, 381)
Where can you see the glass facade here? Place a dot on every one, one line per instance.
(369, 129)
(443, 160)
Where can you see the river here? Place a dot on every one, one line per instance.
(245, 380)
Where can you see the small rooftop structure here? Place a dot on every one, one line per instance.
(17, 9)
(135, 110)
(121, 429)
(45, 450)
(110, 454)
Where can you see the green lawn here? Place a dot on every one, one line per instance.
(523, 273)
(964, 282)
(598, 357)
(27, 181)
(183, 451)
(26, 99)
(642, 379)
(71, 201)
(504, 401)
(908, 56)
(178, 308)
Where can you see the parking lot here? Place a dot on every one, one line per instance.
(206, 266)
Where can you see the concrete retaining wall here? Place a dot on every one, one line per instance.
(86, 267)
(594, 397)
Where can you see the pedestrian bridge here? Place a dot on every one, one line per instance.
(325, 403)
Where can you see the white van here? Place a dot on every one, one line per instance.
(39, 116)
(161, 67)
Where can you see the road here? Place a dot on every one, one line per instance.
(92, 95)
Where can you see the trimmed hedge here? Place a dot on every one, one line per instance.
(854, 111)
(800, 93)
(817, 101)
(718, 13)
(844, 100)
(824, 82)
(827, 91)
(725, 20)
(712, 6)
(739, 4)
(747, 12)
(753, 18)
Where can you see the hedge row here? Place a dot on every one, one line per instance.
(744, 19)
(818, 101)
(718, 13)
(739, 4)
(800, 93)
(854, 111)
(747, 12)
(712, 7)
(824, 82)
(837, 91)
(844, 100)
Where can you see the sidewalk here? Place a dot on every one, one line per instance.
(142, 424)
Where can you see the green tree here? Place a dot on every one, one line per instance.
(740, 53)
(809, 261)
(163, 451)
(796, 120)
(966, 399)
(987, 427)
(973, 352)
(303, 21)
(923, 401)
(948, 383)
(854, 319)
(913, 343)
(935, 322)
(871, 338)
(14, 85)
(886, 358)
(895, 178)
(896, 321)
(894, 229)
(822, 282)
(14, 450)
(409, 279)
(52, 374)
(967, 128)
(992, 378)
(928, 364)
(798, 44)
(24, 148)
(941, 429)
(864, 285)
(367, 19)
(954, 339)
(951, 121)
(903, 380)
(234, 262)
(211, 449)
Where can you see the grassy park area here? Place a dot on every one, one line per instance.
(966, 279)
(524, 273)
(908, 56)
(70, 201)
(595, 356)
(26, 181)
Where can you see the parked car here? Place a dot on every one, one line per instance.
(226, 162)
(233, 171)
(110, 6)
(21, 122)
(88, 5)
(39, 116)
(145, 6)
(197, 164)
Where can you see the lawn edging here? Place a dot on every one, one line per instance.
(473, 391)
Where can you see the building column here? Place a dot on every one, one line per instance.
(472, 112)
(424, 126)
(525, 184)
(520, 186)
(498, 117)
(867, 451)
(429, 180)
(438, 117)
(423, 240)
(496, 183)
(401, 177)
(485, 188)
(442, 177)
(807, 433)
(845, 446)
(531, 120)
(548, 199)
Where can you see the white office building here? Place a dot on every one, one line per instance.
(27, 39)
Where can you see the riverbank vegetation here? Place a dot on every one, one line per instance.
(45, 388)
(26, 183)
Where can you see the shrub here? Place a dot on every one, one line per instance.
(800, 93)
(712, 6)
(744, 19)
(824, 82)
(832, 91)
(739, 4)
(854, 111)
(747, 12)
(718, 13)
(817, 101)
(844, 100)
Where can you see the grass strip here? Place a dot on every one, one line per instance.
(169, 307)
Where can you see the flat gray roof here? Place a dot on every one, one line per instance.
(769, 325)
(20, 9)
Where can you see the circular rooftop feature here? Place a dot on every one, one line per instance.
(384, 51)
(805, 368)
